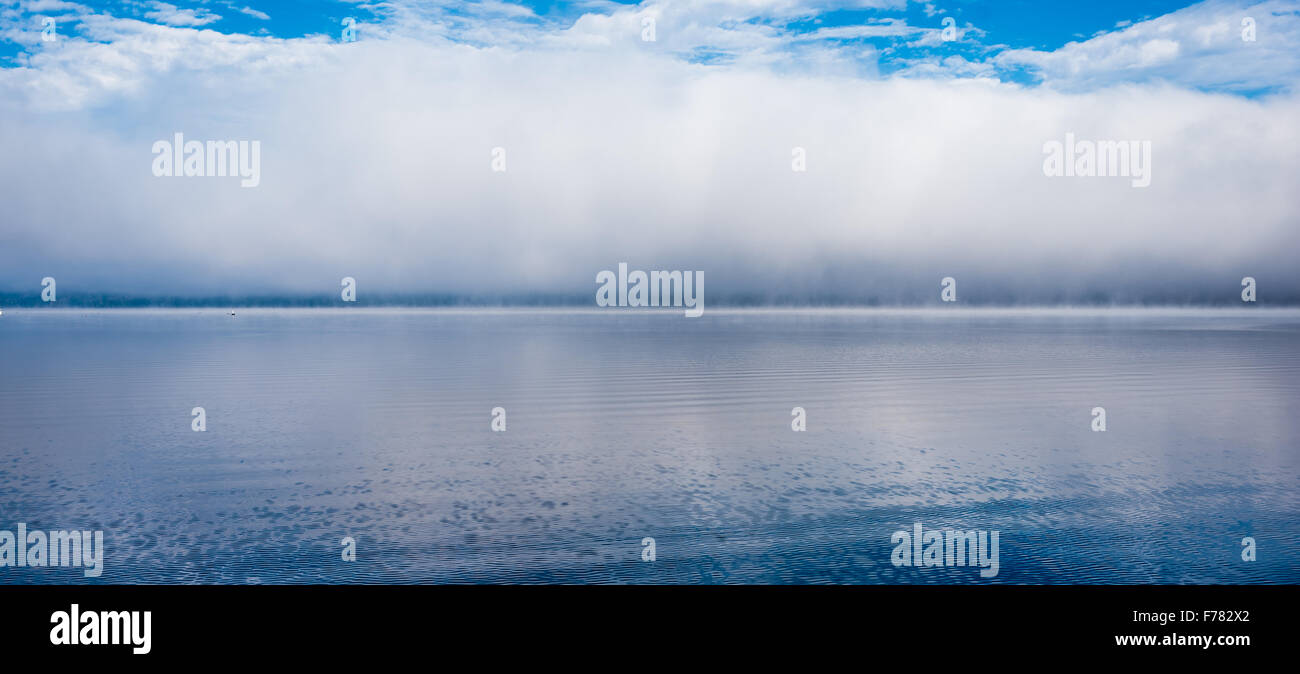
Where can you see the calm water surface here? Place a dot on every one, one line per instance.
(375, 424)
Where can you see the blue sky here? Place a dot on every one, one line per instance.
(1015, 23)
(1006, 39)
(924, 156)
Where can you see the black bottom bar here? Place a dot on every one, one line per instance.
(947, 627)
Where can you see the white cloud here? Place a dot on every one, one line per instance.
(375, 164)
(881, 28)
(1200, 46)
(256, 14)
(171, 15)
(948, 67)
(49, 6)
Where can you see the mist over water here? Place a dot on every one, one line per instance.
(375, 424)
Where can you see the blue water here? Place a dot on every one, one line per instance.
(375, 424)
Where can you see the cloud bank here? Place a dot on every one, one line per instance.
(376, 162)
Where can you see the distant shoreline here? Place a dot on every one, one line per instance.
(930, 309)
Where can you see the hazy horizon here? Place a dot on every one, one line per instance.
(12, 301)
(796, 152)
